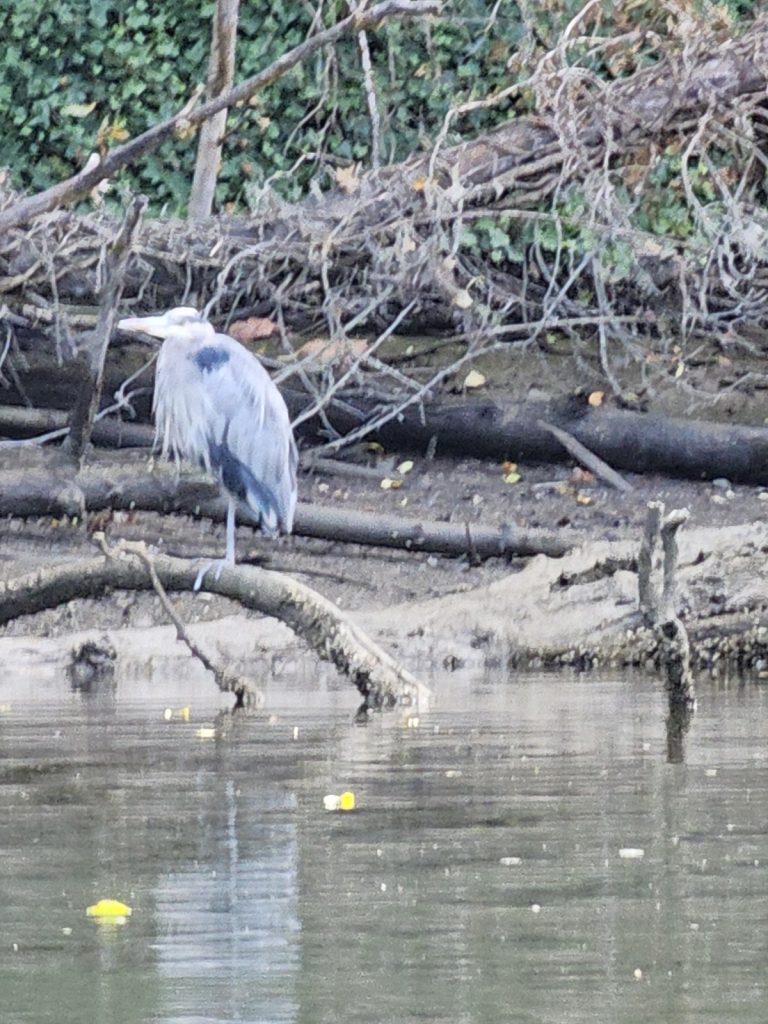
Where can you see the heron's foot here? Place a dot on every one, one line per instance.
(216, 566)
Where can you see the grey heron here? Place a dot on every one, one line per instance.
(217, 406)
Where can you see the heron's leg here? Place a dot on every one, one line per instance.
(229, 555)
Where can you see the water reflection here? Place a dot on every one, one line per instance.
(479, 880)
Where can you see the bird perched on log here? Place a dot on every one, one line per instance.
(217, 406)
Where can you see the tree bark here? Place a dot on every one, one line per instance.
(632, 441)
(221, 74)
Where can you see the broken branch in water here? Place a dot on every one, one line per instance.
(381, 680)
(229, 682)
(658, 604)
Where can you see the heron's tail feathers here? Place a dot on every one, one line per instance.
(262, 500)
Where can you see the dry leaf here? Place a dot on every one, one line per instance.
(405, 467)
(347, 178)
(596, 399)
(583, 499)
(512, 478)
(253, 328)
(420, 183)
(462, 299)
(324, 352)
(389, 484)
(474, 379)
(508, 467)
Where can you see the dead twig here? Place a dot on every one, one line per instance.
(246, 694)
(587, 458)
(92, 362)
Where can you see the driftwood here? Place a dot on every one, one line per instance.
(633, 441)
(57, 490)
(522, 431)
(658, 604)
(378, 677)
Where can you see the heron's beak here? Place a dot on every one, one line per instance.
(157, 326)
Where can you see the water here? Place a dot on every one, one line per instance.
(478, 880)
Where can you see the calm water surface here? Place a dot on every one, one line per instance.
(479, 880)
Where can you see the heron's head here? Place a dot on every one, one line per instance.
(179, 320)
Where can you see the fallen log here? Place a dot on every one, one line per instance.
(56, 490)
(633, 441)
(332, 635)
(521, 431)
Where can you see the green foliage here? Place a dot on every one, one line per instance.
(87, 74)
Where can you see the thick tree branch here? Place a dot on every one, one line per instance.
(379, 678)
(55, 491)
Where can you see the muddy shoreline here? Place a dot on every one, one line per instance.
(436, 612)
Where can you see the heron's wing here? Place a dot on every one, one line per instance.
(217, 405)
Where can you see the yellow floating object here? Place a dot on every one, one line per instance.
(181, 713)
(347, 801)
(109, 908)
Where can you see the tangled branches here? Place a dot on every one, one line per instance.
(624, 221)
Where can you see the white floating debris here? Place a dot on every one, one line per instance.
(536, 908)
(631, 853)
(510, 862)
(711, 773)
(637, 973)
(332, 802)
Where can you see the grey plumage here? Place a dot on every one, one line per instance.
(217, 406)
